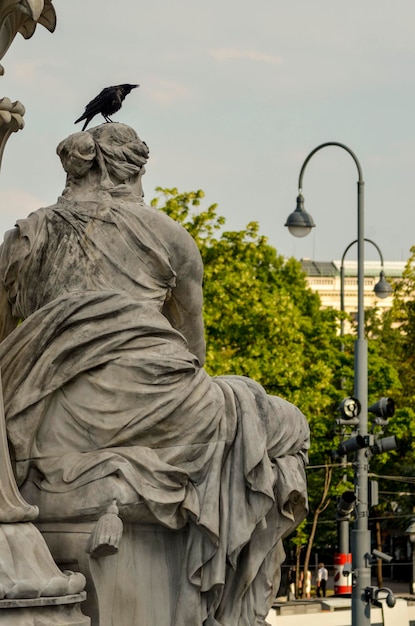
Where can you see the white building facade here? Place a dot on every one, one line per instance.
(324, 278)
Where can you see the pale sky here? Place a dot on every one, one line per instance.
(234, 95)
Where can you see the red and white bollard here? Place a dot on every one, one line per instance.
(342, 583)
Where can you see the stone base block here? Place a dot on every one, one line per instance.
(138, 586)
(62, 611)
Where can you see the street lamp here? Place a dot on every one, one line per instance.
(300, 223)
(410, 531)
(382, 289)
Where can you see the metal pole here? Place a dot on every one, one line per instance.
(360, 533)
(344, 536)
(344, 525)
(342, 307)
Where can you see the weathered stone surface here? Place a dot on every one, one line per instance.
(106, 397)
(13, 508)
(138, 585)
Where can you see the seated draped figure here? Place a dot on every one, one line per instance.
(106, 399)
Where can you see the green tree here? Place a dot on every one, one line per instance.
(395, 335)
(262, 321)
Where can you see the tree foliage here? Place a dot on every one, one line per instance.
(395, 340)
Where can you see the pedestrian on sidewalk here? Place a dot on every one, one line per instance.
(291, 584)
(322, 578)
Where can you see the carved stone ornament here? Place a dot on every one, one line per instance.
(11, 120)
(22, 16)
(19, 16)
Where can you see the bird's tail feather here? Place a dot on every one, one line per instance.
(87, 120)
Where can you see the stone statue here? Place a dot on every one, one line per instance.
(110, 414)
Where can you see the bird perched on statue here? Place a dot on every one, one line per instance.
(108, 102)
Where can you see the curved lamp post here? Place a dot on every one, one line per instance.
(300, 223)
(382, 289)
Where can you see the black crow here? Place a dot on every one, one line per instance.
(107, 102)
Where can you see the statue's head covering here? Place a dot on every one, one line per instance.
(107, 157)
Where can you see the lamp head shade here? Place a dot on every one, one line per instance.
(382, 289)
(299, 222)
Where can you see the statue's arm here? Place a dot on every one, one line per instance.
(184, 309)
(184, 312)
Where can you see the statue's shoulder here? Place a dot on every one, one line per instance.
(30, 225)
(174, 236)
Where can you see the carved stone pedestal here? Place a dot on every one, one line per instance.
(138, 586)
(62, 611)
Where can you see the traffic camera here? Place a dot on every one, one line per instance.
(384, 408)
(349, 410)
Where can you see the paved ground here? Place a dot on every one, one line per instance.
(400, 589)
(336, 610)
